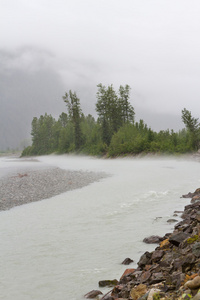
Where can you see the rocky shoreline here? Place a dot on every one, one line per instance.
(171, 271)
(27, 186)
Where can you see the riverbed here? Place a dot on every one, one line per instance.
(60, 247)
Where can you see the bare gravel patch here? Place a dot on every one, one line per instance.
(29, 186)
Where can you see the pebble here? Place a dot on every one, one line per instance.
(30, 186)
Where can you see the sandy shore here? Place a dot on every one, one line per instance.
(34, 185)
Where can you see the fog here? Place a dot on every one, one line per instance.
(25, 93)
(49, 47)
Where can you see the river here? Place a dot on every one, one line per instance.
(59, 248)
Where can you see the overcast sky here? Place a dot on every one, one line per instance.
(152, 45)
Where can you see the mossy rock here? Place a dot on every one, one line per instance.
(192, 239)
(109, 283)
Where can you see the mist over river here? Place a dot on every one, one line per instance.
(59, 248)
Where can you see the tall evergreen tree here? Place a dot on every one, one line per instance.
(113, 109)
(127, 111)
(63, 119)
(193, 126)
(74, 111)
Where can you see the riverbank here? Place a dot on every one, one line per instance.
(26, 185)
(172, 270)
(81, 237)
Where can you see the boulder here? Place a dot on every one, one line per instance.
(108, 297)
(197, 296)
(103, 283)
(167, 260)
(145, 259)
(153, 239)
(188, 262)
(172, 221)
(197, 191)
(93, 294)
(118, 298)
(126, 273)
(190, 195)
(157, 277)
(196, 249)
(198, 216)
(144, 297)
(127, 261)
(177, 238)
(165, 244)
(138, 291)
(195, 198)
(116, 291)
(193, 284)
(157, 255)
(120, 291)
(177, 278)
(145, 276)
(153, 292)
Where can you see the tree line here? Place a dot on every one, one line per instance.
(114, 133)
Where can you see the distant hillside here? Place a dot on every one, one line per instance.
(24, 95)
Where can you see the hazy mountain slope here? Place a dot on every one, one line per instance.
(24, 95)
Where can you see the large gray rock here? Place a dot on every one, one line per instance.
(197, 297)
(172, 221)
(93, 294)
(177, 278)
(110, 283)
(190, 195)
(145, 276)
(153, 239)
(145, 259)
(108, 297)
(177, 238)
(196, 249)
(157, 255)
(157, 277)
(127, 261)
(194, 283)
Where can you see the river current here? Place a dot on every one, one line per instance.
(59, 248)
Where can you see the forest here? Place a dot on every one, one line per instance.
(114, 133)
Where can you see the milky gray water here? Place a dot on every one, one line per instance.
(60, 248)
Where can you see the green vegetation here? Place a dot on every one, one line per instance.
(192, 239)
(114, 133)
(156, 296)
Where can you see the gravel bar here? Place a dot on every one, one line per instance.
(30, 186)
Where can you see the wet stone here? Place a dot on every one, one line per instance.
(93, 294)
(157, 255)
(172, 221)
(193, 284)
(138, 291)
(153, 239)
(196, 249)
(103, 283)
(145, 259)
(127, 261)
(145, 276)
(177, 238)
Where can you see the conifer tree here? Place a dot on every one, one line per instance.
(74, 112)
(193, 126)
(114, 110)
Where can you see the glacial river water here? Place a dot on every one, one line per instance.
(60, 248)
